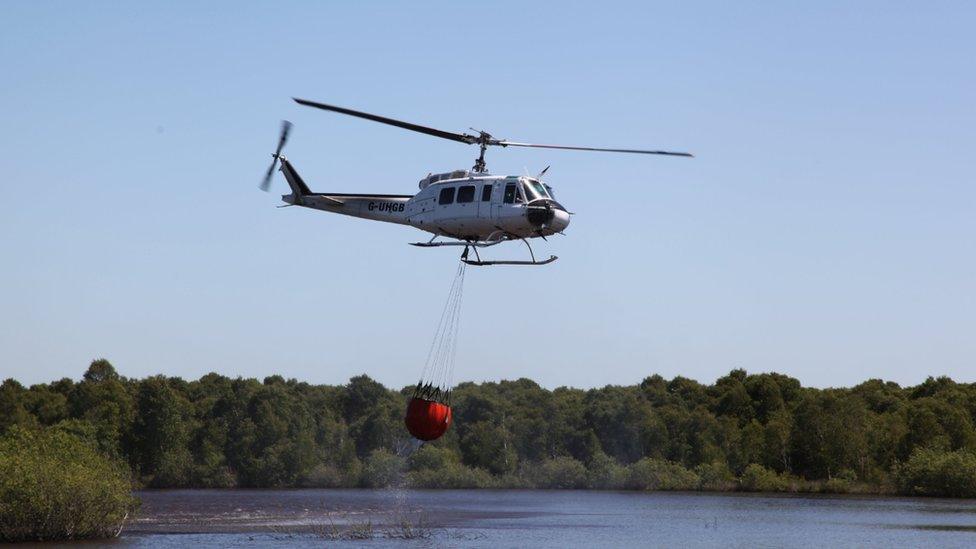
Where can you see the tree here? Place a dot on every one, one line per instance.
(13, 410)
(101, 370)
(624, 423)
(162, 433)
(766, 396)
(829, 434)
(220, 432)
(489, 447)
(104, 399)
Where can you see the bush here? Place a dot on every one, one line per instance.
(206, 476)
(715, 477)
(561, 472)
(430, 457)
(54, 486)
(658, 474)
(438, 467)
(757, 478)
(325, 476)
(938, 473)
(382, 469)
(605, 473)
(452, 475)
(837, 486)
(844, 482)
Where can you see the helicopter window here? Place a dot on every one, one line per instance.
(539, 189)
(465, 194)
(510, 193)
(486, 193)
(447, 196)
(530, 193)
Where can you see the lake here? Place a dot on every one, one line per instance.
(539, 518)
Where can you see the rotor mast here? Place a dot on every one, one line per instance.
(484, 140)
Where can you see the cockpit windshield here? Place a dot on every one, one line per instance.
(534, 189)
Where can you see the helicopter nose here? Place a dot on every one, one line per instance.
(560, 221)
(541, 216)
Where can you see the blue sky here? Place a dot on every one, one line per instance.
(825, 229)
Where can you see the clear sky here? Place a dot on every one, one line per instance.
(825, 229)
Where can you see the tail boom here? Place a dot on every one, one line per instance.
(391, 208)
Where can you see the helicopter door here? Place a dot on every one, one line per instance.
(485, 205)
(506, 204)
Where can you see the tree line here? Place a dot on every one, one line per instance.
(743, 432)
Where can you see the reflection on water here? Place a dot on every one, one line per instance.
(947, 527)
(514, 518)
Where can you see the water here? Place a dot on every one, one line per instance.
(517, 518)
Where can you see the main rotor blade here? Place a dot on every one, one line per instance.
(503, 143)
(462, 137)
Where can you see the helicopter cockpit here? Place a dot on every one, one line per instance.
(537, 190)
(534, 189)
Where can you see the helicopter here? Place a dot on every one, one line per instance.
(468, 208)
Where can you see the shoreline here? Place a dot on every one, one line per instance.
(737, 493)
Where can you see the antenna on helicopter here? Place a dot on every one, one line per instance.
(483, 139)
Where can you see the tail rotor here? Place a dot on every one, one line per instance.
(285, 128)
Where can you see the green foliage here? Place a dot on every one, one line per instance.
(105, 400)
(757, 478)
(432, 457)
(161, 433)
(658, 474)
(605, 473)
(931, 472)
(54, 486)
(745, 431)
(13, 409)
(488, 447)
(561, 472)
(383, 469)
(715, 477)
(451, 474)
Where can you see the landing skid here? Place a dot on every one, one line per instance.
(478, 262)
(502, 262)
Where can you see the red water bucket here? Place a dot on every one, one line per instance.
(426, 419)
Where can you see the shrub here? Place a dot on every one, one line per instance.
(605, 473)
(325, 476)
(938, 473)
(837, 485)
(54, 486)
(382, 469)
(438, 467)
(844, 482)
(715, 477)
(658, 474)
(756, 478)
(452, 475)
(512, 481)
(432, 457)
(561, 472)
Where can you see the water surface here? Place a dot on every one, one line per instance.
(517, 518)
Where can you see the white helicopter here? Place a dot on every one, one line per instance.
(472, 208)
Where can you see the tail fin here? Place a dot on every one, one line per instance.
(298, 187)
